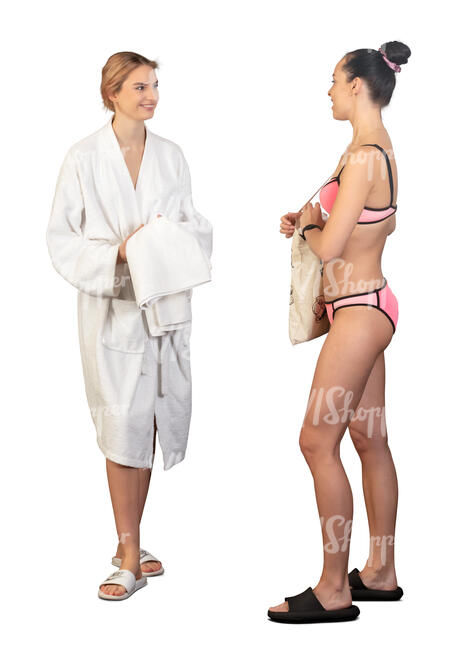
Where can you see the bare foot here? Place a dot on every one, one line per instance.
(327, 594)
(132, 564)
(147, 567)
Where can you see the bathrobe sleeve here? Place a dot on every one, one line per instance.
(190, 219)
(87, 263)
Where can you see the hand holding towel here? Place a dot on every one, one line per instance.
(165, 262)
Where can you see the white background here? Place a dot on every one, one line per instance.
(243, 90)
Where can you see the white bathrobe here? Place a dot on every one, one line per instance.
(130, 375)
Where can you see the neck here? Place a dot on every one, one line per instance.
(129, 132)
(366, 124)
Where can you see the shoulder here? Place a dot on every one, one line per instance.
(359, 165)
(166, 146)
(83, 150)
(361, 156)
(86, 145)
(169, 151)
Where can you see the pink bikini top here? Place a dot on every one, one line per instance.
(329, 191)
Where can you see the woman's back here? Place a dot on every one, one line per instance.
(358, 268)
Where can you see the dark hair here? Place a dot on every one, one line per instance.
(370, 66)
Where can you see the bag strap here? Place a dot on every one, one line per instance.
(315, 194)
(390, 174)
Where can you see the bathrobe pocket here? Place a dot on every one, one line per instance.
(124, 327)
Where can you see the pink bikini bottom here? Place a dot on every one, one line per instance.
(382, 299)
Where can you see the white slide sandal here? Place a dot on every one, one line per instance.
(124, 578)
(145, 556)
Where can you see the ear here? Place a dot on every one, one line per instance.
(356, 85)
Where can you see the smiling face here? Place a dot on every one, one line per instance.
(343, 93)
(138, 96)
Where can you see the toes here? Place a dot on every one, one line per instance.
(283, 607)
(148, 567)
(113, 590)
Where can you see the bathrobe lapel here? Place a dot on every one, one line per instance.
(127, 199)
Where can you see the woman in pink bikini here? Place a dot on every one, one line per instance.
(349, 381)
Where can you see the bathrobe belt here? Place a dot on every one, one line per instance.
(156, 352)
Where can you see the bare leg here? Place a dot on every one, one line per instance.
(356, 338)
(144, 483)
(369, 435)
(124, 490)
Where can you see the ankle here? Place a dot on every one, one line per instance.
(379, 570)
(334, 583)
(132, 563)
(129, 551)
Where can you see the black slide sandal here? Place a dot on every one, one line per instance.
(306, 608)
(360, 592)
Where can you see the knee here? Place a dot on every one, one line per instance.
(366, 441)
(315, 445)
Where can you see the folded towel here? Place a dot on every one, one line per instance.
(169, 312)
(165, 262)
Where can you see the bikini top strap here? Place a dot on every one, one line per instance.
(389, 168)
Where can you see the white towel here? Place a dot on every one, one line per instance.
(165, 262)
(170, 312)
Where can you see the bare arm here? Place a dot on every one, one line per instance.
(356, 182)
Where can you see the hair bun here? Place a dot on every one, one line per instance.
(396, 52)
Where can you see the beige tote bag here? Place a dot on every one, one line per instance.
(308, 318)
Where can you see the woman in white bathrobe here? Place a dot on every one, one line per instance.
(112, 183)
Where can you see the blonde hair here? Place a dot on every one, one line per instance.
(116, 70)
